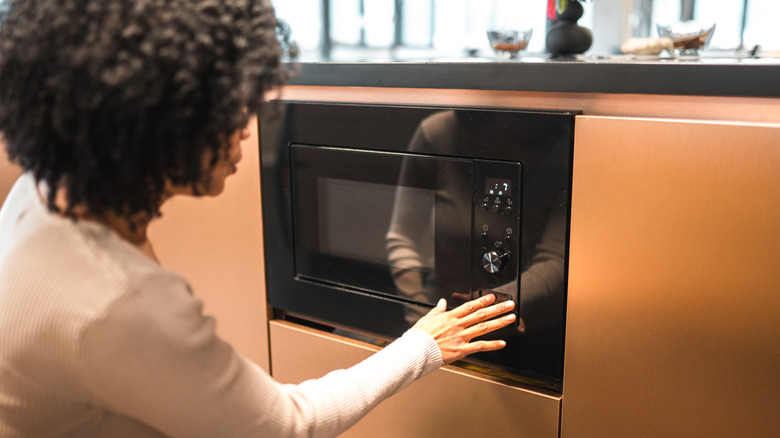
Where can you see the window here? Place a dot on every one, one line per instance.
(424, 29)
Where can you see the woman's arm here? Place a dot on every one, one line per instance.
(155, 358)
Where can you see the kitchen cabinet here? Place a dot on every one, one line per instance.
(449, 402)
(672, 279)
(672, 325)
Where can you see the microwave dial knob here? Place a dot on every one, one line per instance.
(494, 261)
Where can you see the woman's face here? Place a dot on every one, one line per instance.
(214, 176)
(213, 182)
(226, 164)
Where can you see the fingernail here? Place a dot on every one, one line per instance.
(509, 304)
(502, 343)
(510, 317)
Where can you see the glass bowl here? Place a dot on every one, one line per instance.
(509, 42)
(688, 37)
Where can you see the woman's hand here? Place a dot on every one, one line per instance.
(454, 330)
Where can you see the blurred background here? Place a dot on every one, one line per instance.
(355, 30)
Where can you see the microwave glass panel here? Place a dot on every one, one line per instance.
(355, 219)
(385, 223)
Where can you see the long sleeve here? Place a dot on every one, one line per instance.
(170, 371)
(100, 341)
(342, 397)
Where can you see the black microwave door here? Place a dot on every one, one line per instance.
(397, 225)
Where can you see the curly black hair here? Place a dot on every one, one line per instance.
(111, 98)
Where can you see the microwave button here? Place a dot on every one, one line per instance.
(494, 261)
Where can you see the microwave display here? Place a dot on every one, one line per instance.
(374, 213)
(497, 186)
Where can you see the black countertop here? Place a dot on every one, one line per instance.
(747, 77)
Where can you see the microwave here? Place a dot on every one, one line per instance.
(372, 213)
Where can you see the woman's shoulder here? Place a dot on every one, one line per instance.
(72, 267)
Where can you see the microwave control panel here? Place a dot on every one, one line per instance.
(497, 189)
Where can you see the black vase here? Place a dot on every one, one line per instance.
(566, 37)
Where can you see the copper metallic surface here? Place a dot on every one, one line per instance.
(672, 320)
(449, 402)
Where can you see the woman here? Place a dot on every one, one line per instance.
(111, 108)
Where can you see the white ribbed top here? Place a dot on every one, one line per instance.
(97, 340)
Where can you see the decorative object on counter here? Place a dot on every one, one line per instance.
(509, 42)
(688, 37)
(646, 46)
(566, 37)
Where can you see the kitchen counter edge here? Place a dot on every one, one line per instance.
(705, 78)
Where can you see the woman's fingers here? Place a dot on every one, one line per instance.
(482, 346)
(472, 306)
(484, 327)
(455, 330)
(477, 310)
(489, 312)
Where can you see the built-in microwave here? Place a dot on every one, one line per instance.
(374, 212)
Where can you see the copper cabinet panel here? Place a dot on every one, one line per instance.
(447, 403)
(674, 280)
